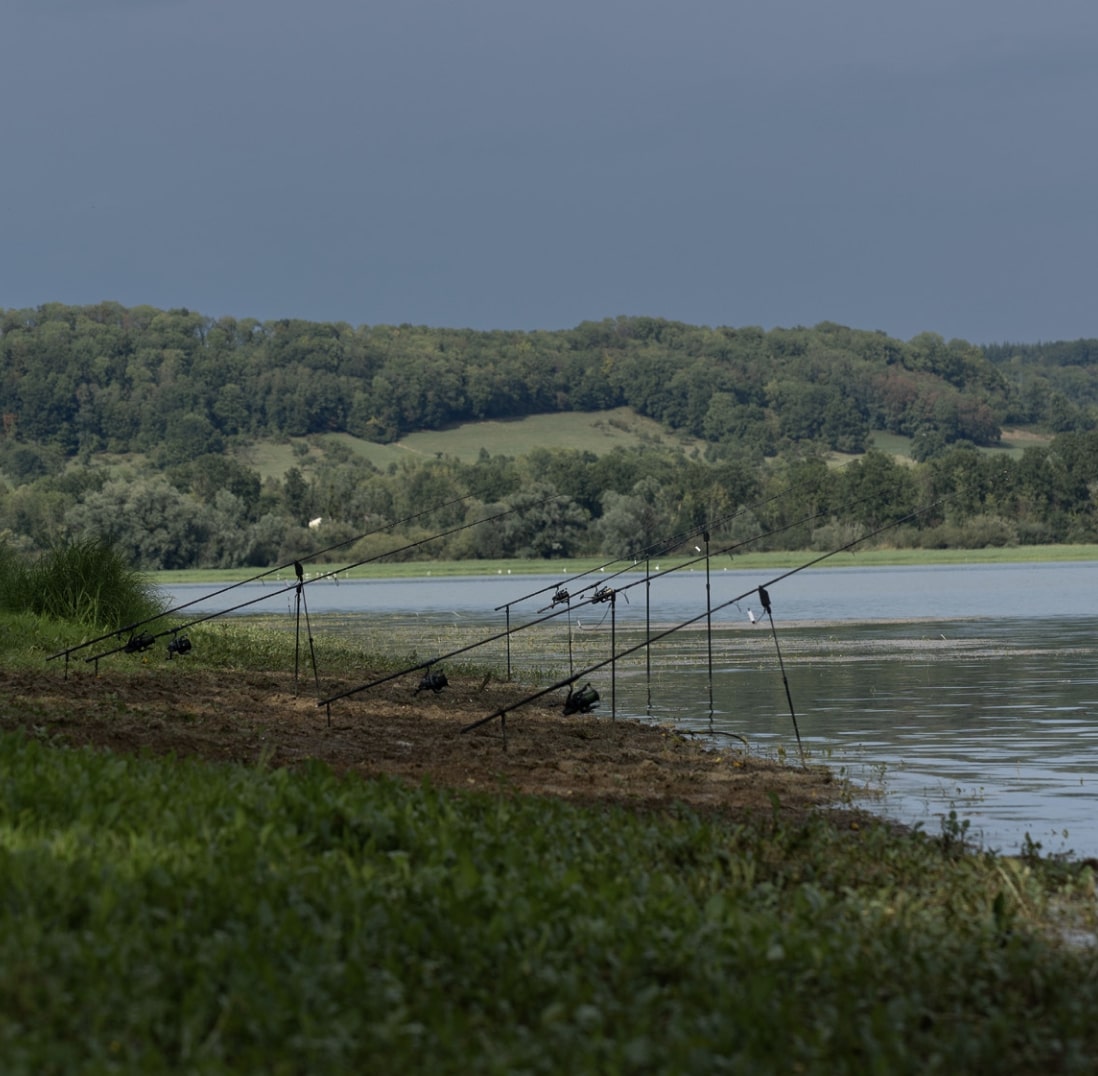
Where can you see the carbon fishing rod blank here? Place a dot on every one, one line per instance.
(118, 632)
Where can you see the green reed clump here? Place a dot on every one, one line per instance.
(89, 583)
(173, 916)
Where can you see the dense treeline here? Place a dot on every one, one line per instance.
(185, 391)
(216, 512)
(175, 383)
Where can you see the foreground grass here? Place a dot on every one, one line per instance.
(170, 916)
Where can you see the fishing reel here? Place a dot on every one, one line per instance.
(138, 644)
(603, 594)
(178, 645)
(582, 701)
(561, 597)
(432, 681)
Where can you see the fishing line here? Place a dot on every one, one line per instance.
(503, 711)
(667, 545)
(253, 579)
(603, 594)
(664, 545)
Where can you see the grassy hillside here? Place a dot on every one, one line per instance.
(588, 431)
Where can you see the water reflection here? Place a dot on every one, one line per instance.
(992, 720)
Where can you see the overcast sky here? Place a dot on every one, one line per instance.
(519, 164)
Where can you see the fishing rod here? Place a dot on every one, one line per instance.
(764, 600)
(662, 545)
(253, 579)
(142, 642)
(502, 712)
(603, 594)
(431, 661)
(666, 545)
(563, 595)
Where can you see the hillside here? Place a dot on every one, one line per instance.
(111, 379)
(194, 442)
(596, 432)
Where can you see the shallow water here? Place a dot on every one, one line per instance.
(966, 688)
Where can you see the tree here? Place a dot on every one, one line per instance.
(296, 498)
(876, 490)
(539, 523)
(151, 523)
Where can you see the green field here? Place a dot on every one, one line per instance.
(588, 431)
(598, 432)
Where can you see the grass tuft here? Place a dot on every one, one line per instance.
(88, 583)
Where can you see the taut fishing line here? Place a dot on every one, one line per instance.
(502, 712)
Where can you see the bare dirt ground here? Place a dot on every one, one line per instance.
(266, 718)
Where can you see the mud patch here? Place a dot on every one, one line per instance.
(255, 718)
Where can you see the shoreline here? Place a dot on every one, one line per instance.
(380, 569)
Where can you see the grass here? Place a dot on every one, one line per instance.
(590, 431)
(88, 583)
(170, 916)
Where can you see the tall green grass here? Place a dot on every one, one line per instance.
(88, 583)
(165, 916)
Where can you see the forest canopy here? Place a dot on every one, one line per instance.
(183, 392)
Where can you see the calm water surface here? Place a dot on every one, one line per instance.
(966, 688)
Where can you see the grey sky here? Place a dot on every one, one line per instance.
(510, 164)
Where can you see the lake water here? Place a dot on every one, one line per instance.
(955, 688)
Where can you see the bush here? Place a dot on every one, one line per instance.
(85, 582)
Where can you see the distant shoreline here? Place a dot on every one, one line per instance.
(381, 569)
